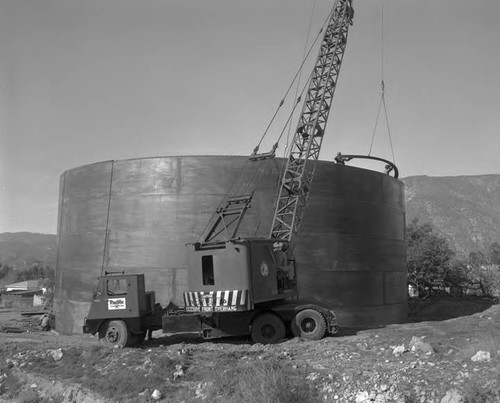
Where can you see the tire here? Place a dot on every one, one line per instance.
(267, 328)
(309, 324)
(114, 333)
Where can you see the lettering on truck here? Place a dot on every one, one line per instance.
(117, 303)
(219, 309)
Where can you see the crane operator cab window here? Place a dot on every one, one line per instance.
(284, 268)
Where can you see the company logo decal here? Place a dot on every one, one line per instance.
(117, 303)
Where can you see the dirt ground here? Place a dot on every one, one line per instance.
(433, 359)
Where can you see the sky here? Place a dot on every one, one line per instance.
(83, 81)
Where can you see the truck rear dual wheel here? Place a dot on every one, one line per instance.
(309, 324)
(114, 333)
(267, 328)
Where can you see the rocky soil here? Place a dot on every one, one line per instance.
(453, 360)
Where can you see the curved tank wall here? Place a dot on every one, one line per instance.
(137, 215)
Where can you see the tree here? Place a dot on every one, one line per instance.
(35, 272)
(429, 257)
(484, 268)
(494, 253)
(478, 259)
(4, 271)
(7, 274)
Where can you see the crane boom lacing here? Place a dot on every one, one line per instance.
(306, 144)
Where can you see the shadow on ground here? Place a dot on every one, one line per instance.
(435, 309)
(443, 308)
(420, 310)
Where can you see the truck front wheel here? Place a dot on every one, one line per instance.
(267, 328)
(114, 333)
(309, 324)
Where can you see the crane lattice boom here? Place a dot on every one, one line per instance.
(304, 151)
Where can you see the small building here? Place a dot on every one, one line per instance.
(24, 294)
(28, 285)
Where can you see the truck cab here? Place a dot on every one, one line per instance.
(120, 302)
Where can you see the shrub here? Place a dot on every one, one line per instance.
(9, 384)
(478, 391)
(269, 381)
(490, 280)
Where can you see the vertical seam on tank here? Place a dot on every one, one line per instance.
(383, 287)
(59, 226)
(107, 218)
(174, 284)
(178, 175)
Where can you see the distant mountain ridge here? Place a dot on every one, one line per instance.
(464, 209)
(24, 249)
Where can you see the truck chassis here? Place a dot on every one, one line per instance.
(266, 323)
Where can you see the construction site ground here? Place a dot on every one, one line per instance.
(449, 353)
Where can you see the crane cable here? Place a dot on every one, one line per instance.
(297, 97)
(382, 93)
(296, 76)
(246, 175)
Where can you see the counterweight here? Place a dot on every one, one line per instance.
(306, 145)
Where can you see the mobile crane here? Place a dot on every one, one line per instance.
(241, 286)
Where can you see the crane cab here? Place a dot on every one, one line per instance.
(235, 275)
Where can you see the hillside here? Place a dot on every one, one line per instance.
(23, 249)
(465, 209)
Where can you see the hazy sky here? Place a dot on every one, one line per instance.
(83, 81)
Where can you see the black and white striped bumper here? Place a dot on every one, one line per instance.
(216, 301)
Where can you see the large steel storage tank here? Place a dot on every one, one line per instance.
(137, 215)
